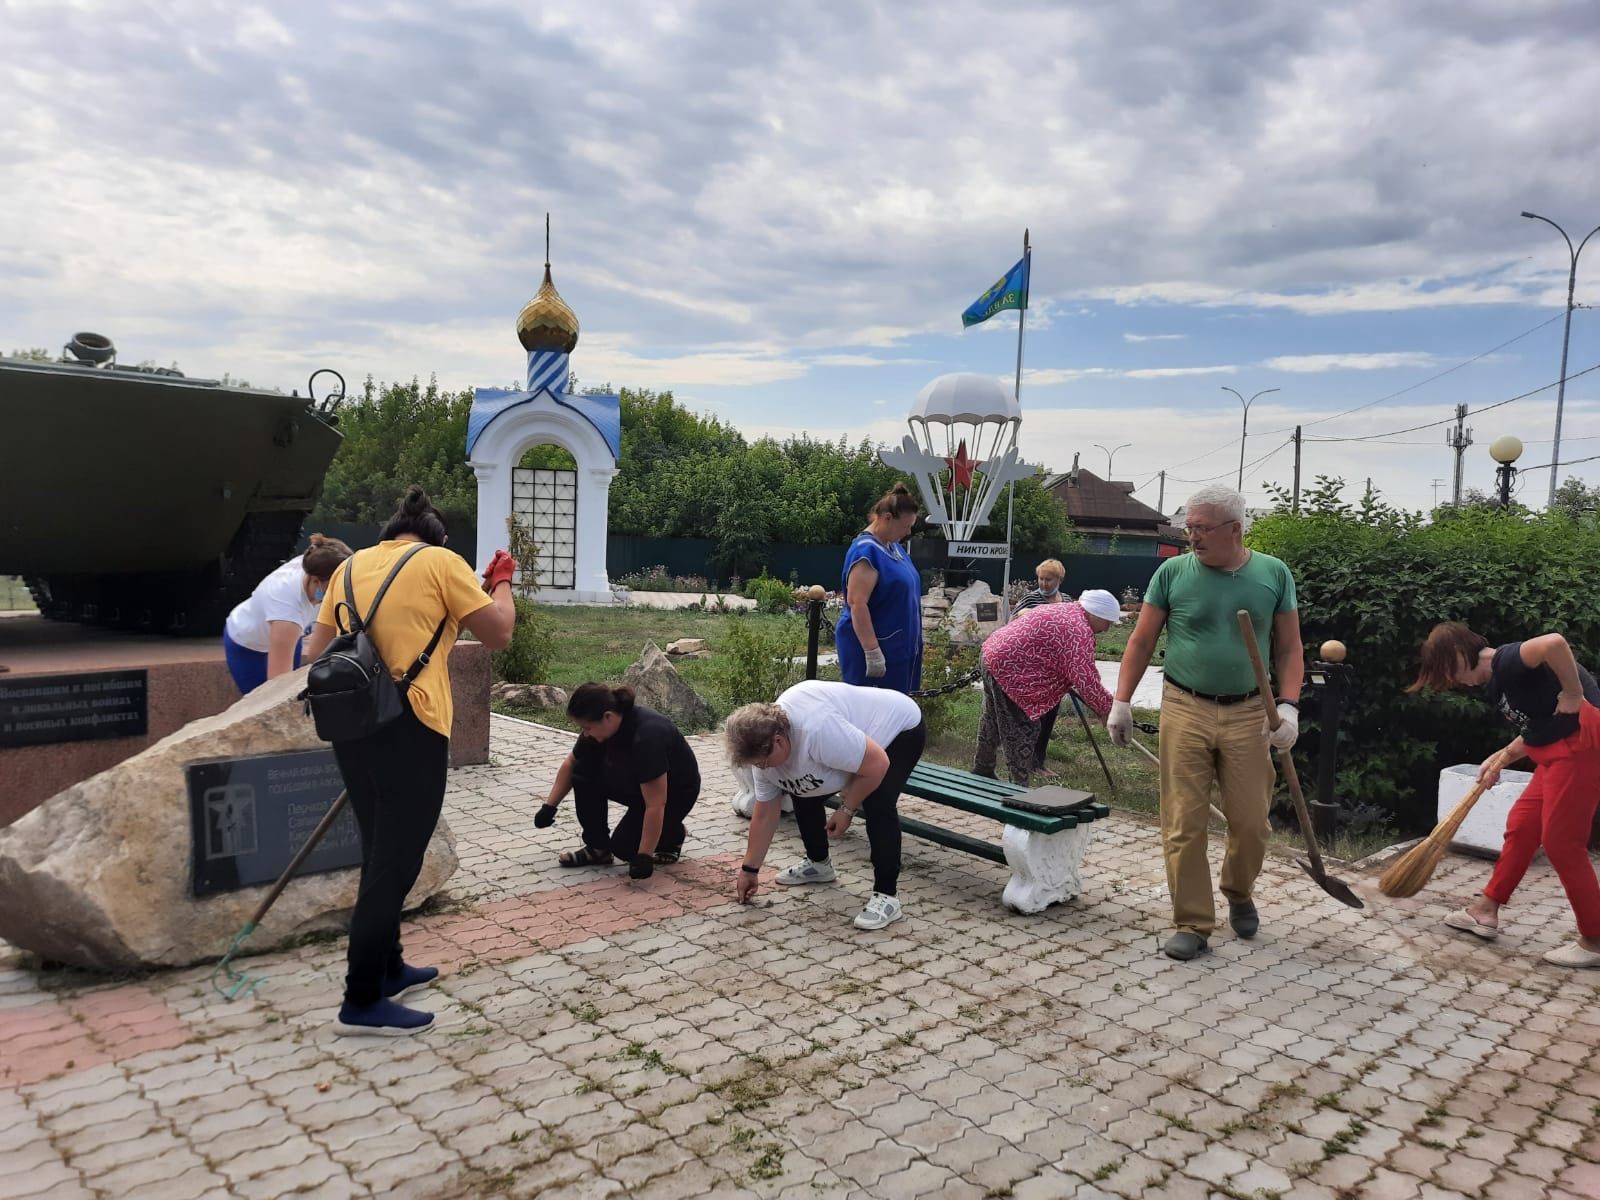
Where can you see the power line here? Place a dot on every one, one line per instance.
(1431, 379)
(1373, 437)
(1248, 467)
(1380, 400)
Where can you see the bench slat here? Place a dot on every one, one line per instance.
(944, 837)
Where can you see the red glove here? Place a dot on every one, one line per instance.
(500, 570)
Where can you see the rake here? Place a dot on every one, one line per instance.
(1411, 872)
(225, 977)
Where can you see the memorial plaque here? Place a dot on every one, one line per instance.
(986, 611)
(249, 816)
(39, 709)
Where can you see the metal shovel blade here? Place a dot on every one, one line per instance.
(1335, 887)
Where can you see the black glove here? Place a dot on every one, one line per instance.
(642, 867)
(545, 817)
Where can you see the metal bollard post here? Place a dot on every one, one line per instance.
(813, 634)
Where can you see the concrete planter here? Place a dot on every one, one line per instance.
(1484, 830)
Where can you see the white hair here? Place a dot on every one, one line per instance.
(1220, 497)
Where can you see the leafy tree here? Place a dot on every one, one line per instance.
(397, 434)
(1577, 499)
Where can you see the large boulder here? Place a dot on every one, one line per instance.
(974, 614)
(657, 684)
(100, 875)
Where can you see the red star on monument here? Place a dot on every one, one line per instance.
(962, 467)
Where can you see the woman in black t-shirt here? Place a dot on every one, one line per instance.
(630, 755)
(1539, 687)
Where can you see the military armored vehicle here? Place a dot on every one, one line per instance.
(140, 499)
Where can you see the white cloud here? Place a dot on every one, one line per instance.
(1310, 364)
(1154, 337)
(1179, 372)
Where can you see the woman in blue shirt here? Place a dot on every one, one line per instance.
(879, 636)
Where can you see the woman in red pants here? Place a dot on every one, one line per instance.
(1539, 687)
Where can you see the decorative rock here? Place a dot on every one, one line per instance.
(532, 695)
(99, 875)
(974, 615)
(684, 647)
(658, 685)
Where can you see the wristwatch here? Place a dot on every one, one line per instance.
(746, 867)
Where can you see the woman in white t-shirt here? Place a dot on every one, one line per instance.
(823, 739)
(262, 637)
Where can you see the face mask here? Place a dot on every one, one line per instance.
(1044, 591)
(318, 593)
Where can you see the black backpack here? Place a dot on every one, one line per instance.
(349, 691)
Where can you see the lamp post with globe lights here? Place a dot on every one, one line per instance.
(1505, 451)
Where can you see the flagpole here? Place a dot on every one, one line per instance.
(1011, 487)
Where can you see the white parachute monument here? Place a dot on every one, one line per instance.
(962, 448)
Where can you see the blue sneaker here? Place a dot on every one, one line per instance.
(410, 977)
(383, 1019)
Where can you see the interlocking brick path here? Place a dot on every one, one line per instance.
(599, 1037)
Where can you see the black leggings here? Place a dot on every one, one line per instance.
(592, 803)
(883, 819)
(396, 781)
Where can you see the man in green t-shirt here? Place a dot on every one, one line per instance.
(1212, 730)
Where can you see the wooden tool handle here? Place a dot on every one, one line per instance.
(1247, 628)
(328, 818)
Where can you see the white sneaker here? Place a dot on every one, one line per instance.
(880, 910)
(744, 805)
(806, 871)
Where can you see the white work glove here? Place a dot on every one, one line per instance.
(875, 663)
(1283, 737)
(1120, 723)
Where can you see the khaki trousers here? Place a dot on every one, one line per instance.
(1204, 742)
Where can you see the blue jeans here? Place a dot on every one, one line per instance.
(248, 667)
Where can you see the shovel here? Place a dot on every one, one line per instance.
(1337, 888)
(225, 977)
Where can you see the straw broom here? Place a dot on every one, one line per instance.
(1415, 867)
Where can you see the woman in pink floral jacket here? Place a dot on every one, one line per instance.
(1028, 668)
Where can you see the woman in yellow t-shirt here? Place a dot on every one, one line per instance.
(396, 777)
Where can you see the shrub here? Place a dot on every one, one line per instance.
(943, 662)
(656, 579)
(771, 595)
(757, 660)
(533, 642)
(1378, 580)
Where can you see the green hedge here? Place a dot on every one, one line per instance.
(1378, 580)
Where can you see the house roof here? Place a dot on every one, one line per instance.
(1096, 501)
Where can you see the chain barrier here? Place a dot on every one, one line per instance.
(967, 680)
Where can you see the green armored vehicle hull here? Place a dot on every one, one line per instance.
(144, 500)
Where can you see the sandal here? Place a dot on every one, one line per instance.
(586, 856)
(1467, 923)
(665, 858)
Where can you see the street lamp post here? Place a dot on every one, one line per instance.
(1505, 451)
(1244, 430)
(1566, 337)
(1110, 454)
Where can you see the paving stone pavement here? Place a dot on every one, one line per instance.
(598, 1037)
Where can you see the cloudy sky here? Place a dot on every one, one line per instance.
(779, 211)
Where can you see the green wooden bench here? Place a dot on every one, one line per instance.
(1043, 851)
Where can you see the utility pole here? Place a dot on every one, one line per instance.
(1458, 439)
(1369, 487)
(1436, 484)
(1161, 496)
(1297, 470)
